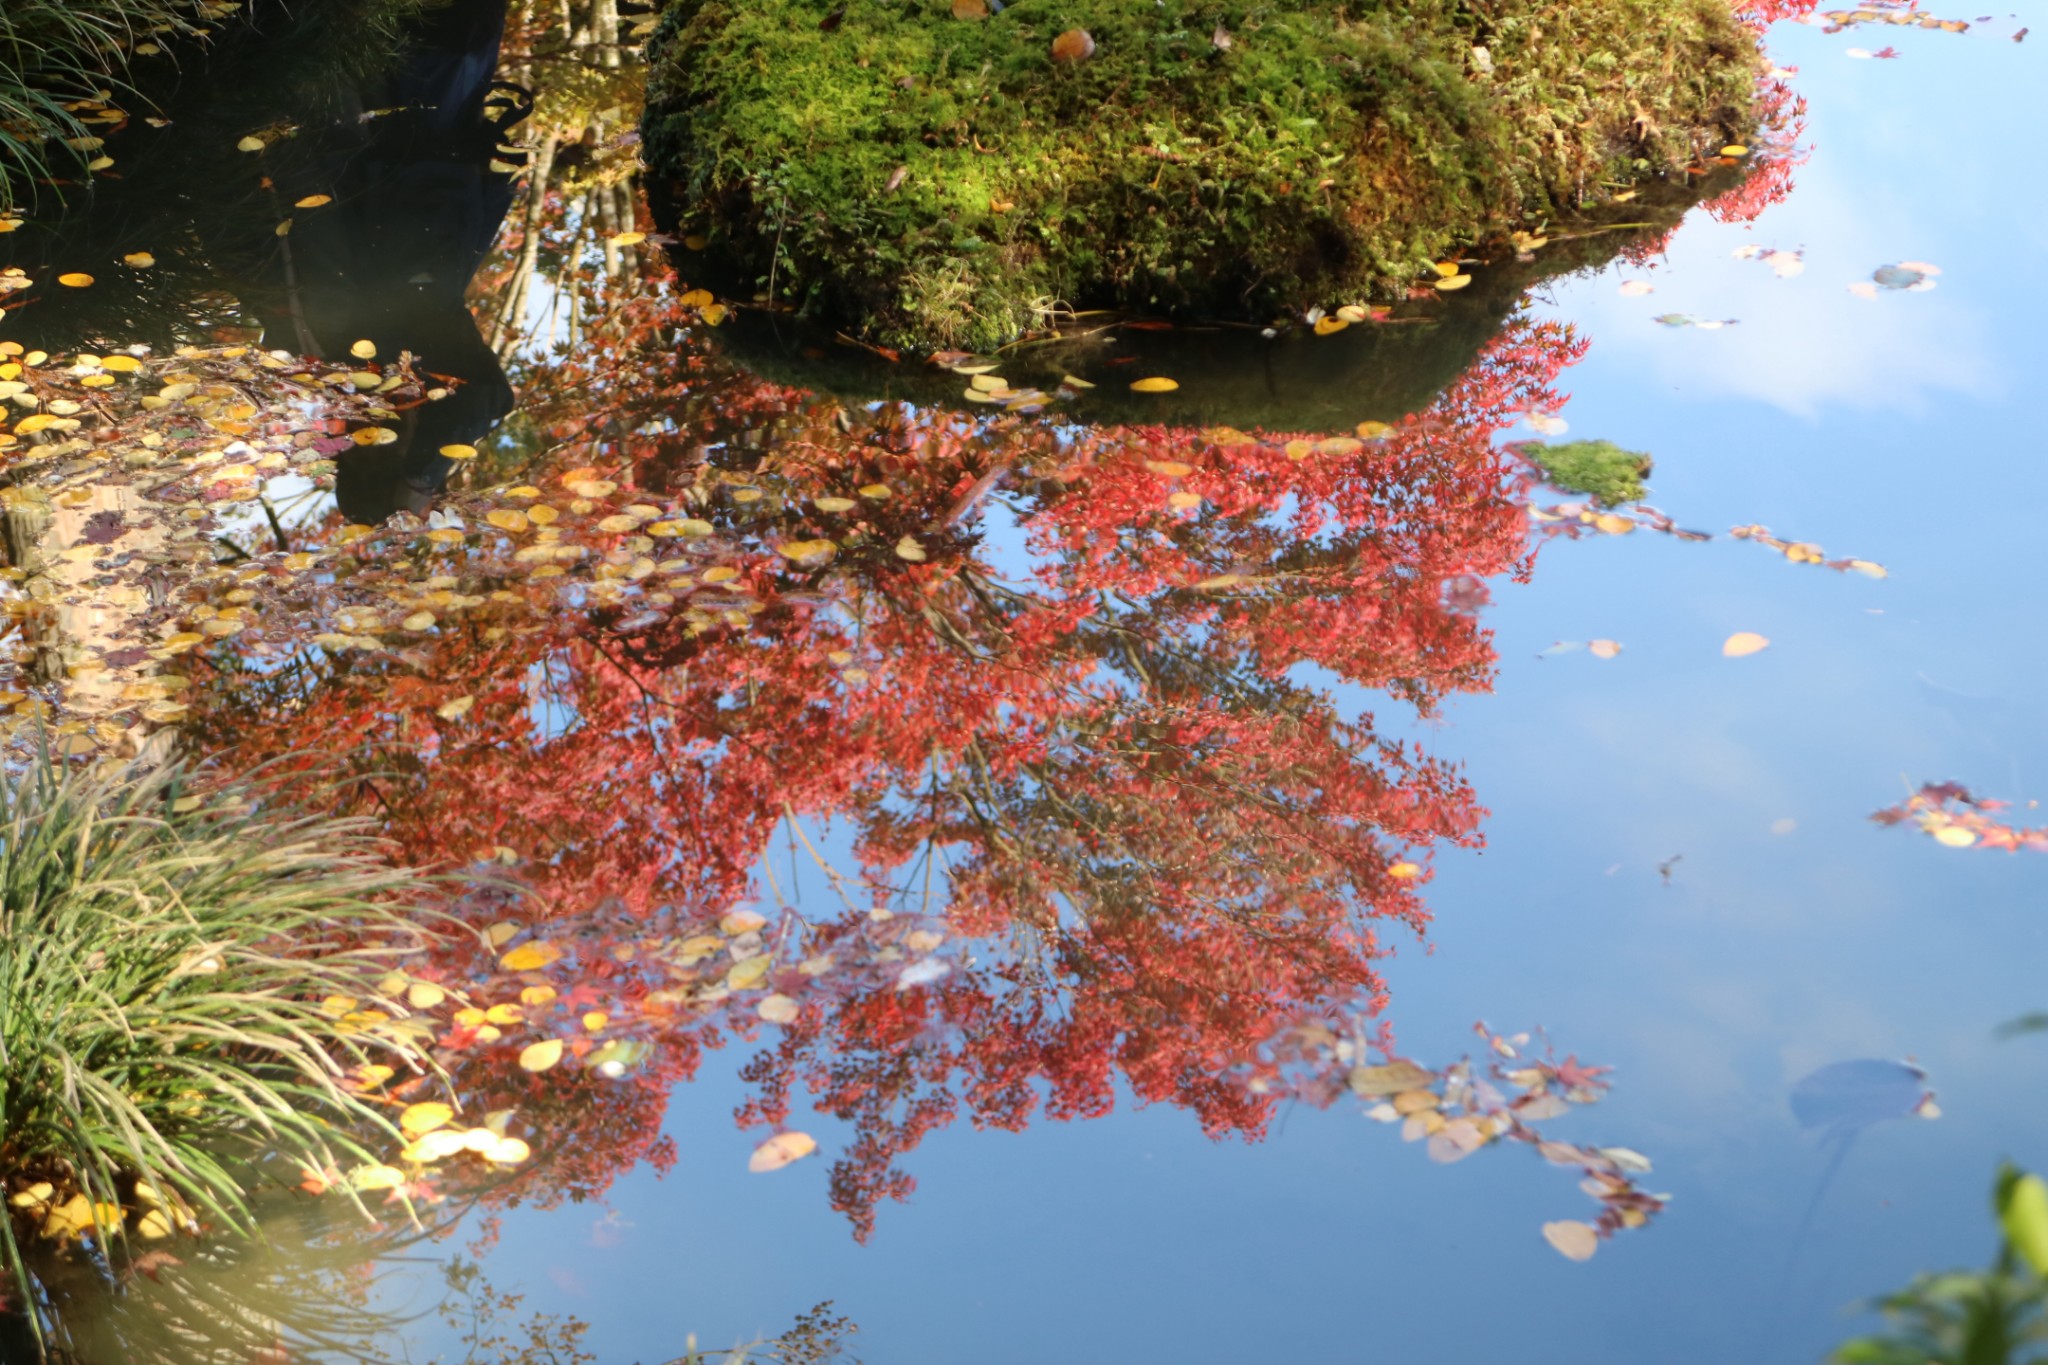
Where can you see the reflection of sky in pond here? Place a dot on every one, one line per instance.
(1893, 429)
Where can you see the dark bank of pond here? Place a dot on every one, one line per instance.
(808, 743)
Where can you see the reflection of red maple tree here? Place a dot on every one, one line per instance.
(1162, 842)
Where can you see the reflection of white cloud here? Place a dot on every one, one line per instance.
(1805, 343)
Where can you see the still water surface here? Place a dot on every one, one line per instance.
(1679, 878)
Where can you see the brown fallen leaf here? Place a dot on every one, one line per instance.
(1075, 45)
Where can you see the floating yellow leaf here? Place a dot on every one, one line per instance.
(1450, 282)
(1154, 384)
(719, 573)
(455, 709)
(780, 1150)
(1405, 871)
(533, 997)
(1868, 568)
(249, 144)
(364, 350)
(627, 239)
(424, 995)
(1339, 445)
(1955, 836)
(507, 1152)
(1326, 325)
(141, 260)
(283, 229)
(507, 1013)
(1574, 1240)
(748, 973)
(873, 490)
(1743, 642)
(1181, 502)
(778, 1009)
(1613, 523)
(425, 1117)
(542, 1055)
(507, 518)
(314, 201)
(1172, 469)
(1603, 649)
(908, 548)
(1735, 149)
(696, 298)
(419, 620)
(713, 313)
(807, 551)
(1447, 270)
(696, 241)
(834, 504)
(74, 279)
(531, 956)
(121, 364)
(373, 436)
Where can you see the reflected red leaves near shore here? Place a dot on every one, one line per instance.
(1105, 831)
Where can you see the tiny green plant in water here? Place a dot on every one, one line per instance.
(187, 975)
(1602, 470)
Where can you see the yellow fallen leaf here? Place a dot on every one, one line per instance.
(425, 1117)
(1405, 871)
(540, 1056)
(1603, 649)
(695, 298)
(458, 451)
(1955, 836)
(249, 144)
(531, 956)
(507, 1152)
(1574, 1240)
(505, 1014)
(780, 1150)
(74, 279)
(1613, 523)
(424, 995)
(627, 239)
(1735, 149)
(533, 997)
(908, 548)
(1154, 384)
(1326, 325)
(1451, 282)
(141, 260)
(1743, 642)
(364, 350)
(314, 201)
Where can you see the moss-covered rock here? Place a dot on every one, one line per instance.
(1602, 470)
(936, 181)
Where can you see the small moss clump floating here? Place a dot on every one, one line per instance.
(1602, 470)
(934, 180)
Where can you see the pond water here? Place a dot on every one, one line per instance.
(1126, 735)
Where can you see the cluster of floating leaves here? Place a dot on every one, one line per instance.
(1950, 814)
(126, 470)
(1461, 1108)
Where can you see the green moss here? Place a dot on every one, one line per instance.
(1602, 470)
(1326, 154)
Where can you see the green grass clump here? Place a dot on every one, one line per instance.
(1602, 470)
(1214, 157)
(185, 975)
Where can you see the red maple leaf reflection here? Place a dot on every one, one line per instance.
(1155, 848)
